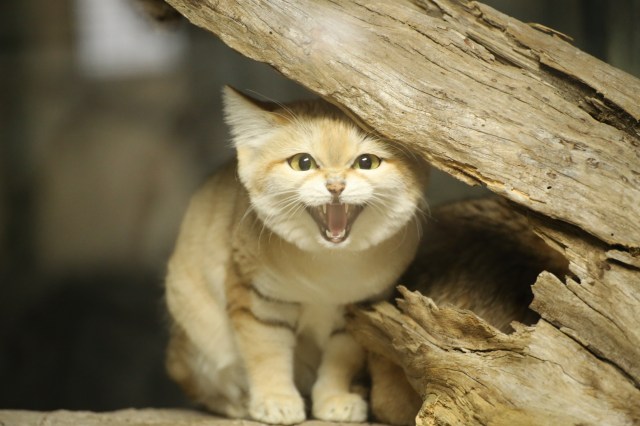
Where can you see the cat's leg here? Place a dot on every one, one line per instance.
(266, 340)
(202, 355)
(332, 400)
(393, 400)
(221, 390)
(267, 350)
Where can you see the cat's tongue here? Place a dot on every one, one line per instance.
(336, 220)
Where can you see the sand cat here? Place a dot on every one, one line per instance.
(315, 214)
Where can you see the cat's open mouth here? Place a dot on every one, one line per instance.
(335, 219)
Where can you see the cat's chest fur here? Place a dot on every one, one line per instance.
(330, 277)
(282, 271)
(318, 283)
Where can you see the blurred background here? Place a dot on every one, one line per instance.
(108, 122)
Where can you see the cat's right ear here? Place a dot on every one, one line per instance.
(250, 120)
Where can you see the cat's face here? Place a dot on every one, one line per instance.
(317, 180)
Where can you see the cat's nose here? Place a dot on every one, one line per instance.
(335, 187)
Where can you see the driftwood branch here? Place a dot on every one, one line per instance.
(534, 376)
(599, 306)
(578, 365)
(484, 97)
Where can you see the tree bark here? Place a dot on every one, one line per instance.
(468, 372)
(578, 365)
(487, 98)
(512, 106)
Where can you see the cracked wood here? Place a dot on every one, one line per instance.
(482, 96)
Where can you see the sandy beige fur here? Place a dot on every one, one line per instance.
(256, 286)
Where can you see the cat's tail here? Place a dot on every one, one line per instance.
(202, 356)
(222, 390)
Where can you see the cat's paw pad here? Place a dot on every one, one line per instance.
(342, 407)
(284, 409)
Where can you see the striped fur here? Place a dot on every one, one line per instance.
(257, 293)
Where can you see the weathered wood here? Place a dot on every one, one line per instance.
(534, 376)
(144, 417)
(466, 370)
(482, 96)
(600, 305)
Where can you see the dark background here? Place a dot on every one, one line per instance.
(108, 122)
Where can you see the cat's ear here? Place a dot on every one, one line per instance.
(250, 120)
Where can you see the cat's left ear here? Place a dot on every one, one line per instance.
(249, 119)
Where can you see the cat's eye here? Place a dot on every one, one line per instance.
(367, 162)
(302, 162)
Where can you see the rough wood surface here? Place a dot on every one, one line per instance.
(484, 97)
(470, 373)
(599, 306)
(578, 365)
(143, 417)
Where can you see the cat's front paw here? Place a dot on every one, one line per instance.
(341, 407)
(283, 409)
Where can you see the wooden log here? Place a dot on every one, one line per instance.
(599, 306)
(534, 376)
(481, 255)
(487, 98)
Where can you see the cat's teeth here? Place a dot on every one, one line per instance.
(336, 237)
(346, 208)
(324, 209)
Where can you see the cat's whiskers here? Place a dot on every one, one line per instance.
(392, 145)
(426, 211)
(405, 230)
(418, 223)
(379, 207)
(294, 209)
(288, 205)
(266, 222)
(262, 229)
(291, 205)
(289, 118)
(403, 149)
(291, 115)
(256, 219)
(246, 214)
(379, 202)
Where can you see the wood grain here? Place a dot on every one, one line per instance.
(489, 99)
(534, 376)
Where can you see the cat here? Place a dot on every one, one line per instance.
(314, 214)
